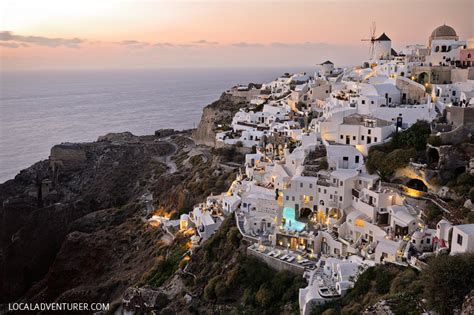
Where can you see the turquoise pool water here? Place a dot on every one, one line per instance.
(290, 222)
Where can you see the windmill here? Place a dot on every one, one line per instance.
(371, 40)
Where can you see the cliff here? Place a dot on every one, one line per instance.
(217, 116)
(74, 228)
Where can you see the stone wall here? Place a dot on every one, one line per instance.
(414, 91)
(455, 136)
(67, 156)
(460, 115)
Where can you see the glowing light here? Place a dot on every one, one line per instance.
(413, 192)
(359, 223)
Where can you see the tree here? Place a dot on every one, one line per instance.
(448, 279)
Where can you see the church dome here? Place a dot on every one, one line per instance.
(443, 31)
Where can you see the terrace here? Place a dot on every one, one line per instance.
(281, 258)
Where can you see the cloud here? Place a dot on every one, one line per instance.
(311, 45)
(134, 44)
(164, 45)
(13, 45)
(205, 42)
(247, 45)
(7, 36)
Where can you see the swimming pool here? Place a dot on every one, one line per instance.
(290, 222)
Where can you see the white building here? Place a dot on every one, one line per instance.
(445, 46)
(463, 239)
(360, 131)
(344, 157)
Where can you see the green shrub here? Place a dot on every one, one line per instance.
(210, 288)
(264, 296)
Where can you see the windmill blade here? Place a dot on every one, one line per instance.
(374, 27)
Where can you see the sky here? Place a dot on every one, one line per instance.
(135, 34)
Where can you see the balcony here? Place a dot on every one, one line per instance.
(355, 193)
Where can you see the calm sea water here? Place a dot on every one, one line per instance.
(40, 109)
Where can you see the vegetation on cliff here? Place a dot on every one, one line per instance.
(443, 284)
(227, 279)
(386, 158)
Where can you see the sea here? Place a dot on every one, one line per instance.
(39, 109)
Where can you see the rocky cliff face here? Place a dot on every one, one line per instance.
(47, 209)
(217, 116)
(73, 227)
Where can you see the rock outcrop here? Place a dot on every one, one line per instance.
(217, 116)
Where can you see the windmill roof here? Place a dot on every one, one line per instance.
(383, 37)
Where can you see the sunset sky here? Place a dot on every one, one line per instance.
(85, 34)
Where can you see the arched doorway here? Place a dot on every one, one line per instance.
(417, 184)
(423, 78)
(432, 156)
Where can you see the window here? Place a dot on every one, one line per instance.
(375, 139)
(353, 137)
(340, 198)
(371, 102)
(310, 198)
(325, 191)
(292, 198)
(459, 241)
(287, 198)
(454, 93)
(357, 158)
(310, 185)
(330, 196)
(319, 190)
(363, 101)
(301, 185)
(437, 49)
(428, 241)
(369, 131)
(468, 56)
(341, 183)
(362, 137)
(342, 137)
